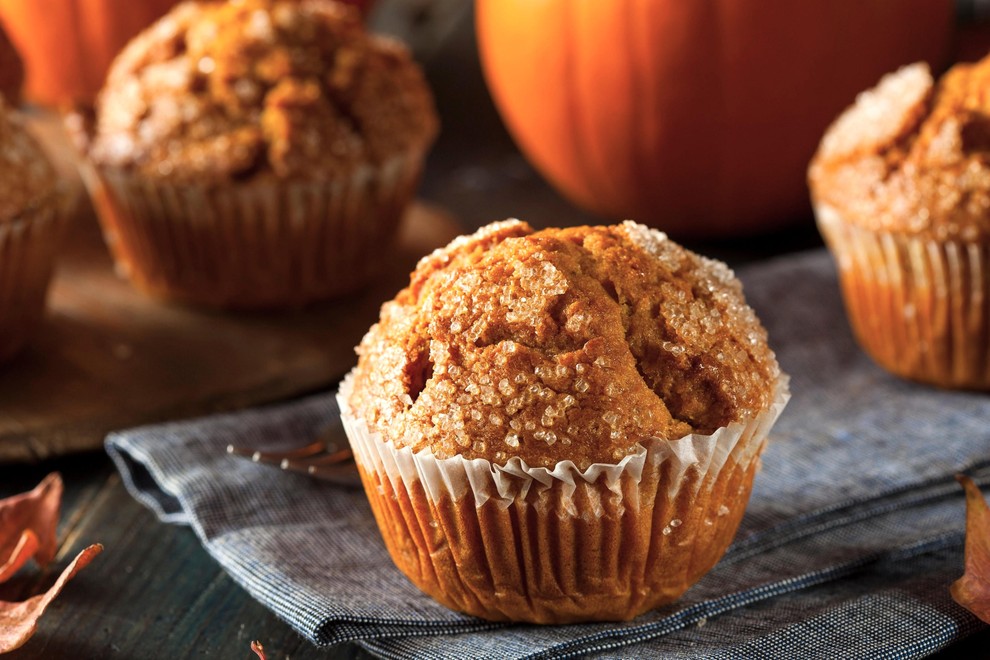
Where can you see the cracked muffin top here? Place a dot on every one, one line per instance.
(912, 155)
(229, 90)
(561, 344)
(27, 179)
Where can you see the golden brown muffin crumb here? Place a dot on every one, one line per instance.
(27, 179)
(565, 343)
(222, 90)
(912, 155)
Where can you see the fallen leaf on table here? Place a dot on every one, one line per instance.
(35, 511)
(27, 546)
(972, 590)
(18, 621)
(28, 525)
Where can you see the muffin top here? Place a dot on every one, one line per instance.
(228, 90)
(11, 70)
(561, 344)
(27, 179)
(912, 155)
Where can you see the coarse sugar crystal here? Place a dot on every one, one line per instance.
(644, 361)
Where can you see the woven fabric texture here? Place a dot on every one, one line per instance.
(852, 536)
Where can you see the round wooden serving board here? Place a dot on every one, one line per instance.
(108, 358)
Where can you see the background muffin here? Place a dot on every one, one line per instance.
(257, 153)
(30, 228)
(901, 188)
(588, 402)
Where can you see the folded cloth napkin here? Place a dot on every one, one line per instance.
(852, 536)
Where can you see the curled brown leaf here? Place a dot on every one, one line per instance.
(27, 547)
(18, 621)
(28, 523)
(37, 511)
(972, 590)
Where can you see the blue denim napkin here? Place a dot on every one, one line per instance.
(852, 536)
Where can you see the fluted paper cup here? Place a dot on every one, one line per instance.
(919, 306)
(266, 243)
(519, 543)
(28, 245)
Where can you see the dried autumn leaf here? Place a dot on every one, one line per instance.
(18, 621)
(972, 590)
(26, 548)
(37, 511)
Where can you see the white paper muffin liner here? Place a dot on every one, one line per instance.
(27, 254)
(522, 543)
(255, 244)
(919, 306)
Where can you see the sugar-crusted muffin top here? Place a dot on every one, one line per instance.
(912, 155)
(561, 344)
(27, 178)
(227, 90)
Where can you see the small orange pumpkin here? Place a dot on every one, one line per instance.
(68, 45)
(697, 116)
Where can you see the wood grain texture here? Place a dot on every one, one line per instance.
(154, 592)
(107, 357)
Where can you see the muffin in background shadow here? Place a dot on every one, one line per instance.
(31, 227)
(563, 425)
(256, 154)
(901, 190)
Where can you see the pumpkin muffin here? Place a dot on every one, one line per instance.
(901, 189)
(563, 425)
(257, 153)
(30, 229)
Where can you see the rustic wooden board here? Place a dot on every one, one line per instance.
(107, 357)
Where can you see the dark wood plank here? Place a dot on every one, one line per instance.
(154, 592)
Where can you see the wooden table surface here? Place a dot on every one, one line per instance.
(154, 592)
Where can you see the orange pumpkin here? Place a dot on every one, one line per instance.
(68, 45)
(697, 116)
